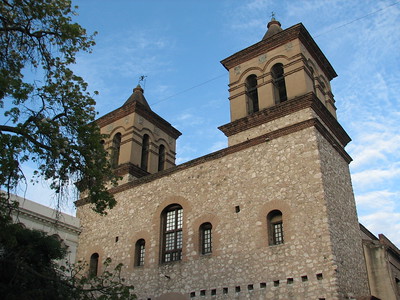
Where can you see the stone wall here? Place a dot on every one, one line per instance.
(284, 173)
(344, 230)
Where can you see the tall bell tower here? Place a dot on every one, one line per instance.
(139, 141)
(280, 98)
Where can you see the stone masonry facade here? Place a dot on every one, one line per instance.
(288, 173)
(277, 203)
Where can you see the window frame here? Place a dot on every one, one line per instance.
(116, 149)
(278, 76)
(206, 243)
(275, 228)
(252, 94)
(94, 265)
(144, 158)
(140, 252)
(172, 233)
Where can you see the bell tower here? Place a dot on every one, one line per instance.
(139, 141)
(282, 108)
(283, 66)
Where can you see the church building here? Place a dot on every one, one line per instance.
(272, 216)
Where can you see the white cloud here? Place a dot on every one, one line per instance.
(245, 18)
(218, 145)
(120, 58)
(257, 4)
(187, 119)
(379, 212)
(374, 147)
(249, 24)
(370, 178)
(387, 223)
(304, 7)
(382, 200)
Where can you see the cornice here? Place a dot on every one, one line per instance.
(297, 31)
(47, 220)
(129, 168)
(266, 115)
(140, 109)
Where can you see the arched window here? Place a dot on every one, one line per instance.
(275, 227)
(116, 145)
(145, 152)
(206, 238)
(140, 252)
(252, 94)
(172, 221)
(161, 158)
(279, 83)
(94, 264)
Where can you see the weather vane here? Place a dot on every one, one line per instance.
(272, 15)
(142, 79)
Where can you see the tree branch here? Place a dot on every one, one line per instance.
(37, 34)
(25, 135)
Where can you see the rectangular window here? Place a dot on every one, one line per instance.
(277, 233)
(141, 255)
(171, 220)
(172, 244)
(206, 238)
(140, 249)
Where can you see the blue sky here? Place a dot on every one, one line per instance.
(179, 44)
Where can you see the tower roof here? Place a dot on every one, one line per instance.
(273, 28)
(280, 38)
(137, 96)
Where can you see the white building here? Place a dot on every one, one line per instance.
(39, 217)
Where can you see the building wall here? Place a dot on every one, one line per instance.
(283, 173)
(39, 217)
(383, 265)
(343, 223)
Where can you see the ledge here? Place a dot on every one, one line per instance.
(288, 107)
(139, 108)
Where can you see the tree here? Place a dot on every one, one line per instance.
(48, 112)
(28, 270)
